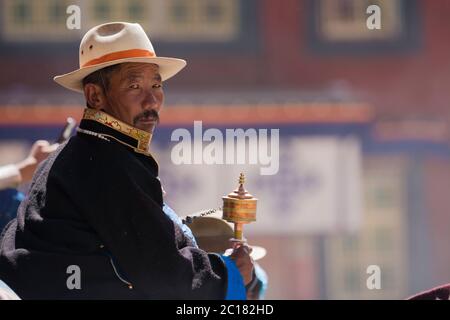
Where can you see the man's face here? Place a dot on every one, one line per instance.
(135, 95)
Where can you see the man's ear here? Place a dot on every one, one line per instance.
(95, 97)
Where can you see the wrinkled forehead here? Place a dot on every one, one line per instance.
(134, 69)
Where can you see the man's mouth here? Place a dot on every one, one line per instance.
(149, 117)
(148, 120)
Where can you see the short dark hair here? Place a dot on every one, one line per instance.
(101, 77)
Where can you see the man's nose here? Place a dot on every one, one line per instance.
(151, 102)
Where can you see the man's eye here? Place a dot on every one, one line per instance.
(157, 86)
(134, 86)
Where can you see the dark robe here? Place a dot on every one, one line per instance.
(97, 205)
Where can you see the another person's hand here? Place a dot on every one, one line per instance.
(40, 150)
(244, 262)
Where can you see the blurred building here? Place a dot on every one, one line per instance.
(382, 240)
(314, 70)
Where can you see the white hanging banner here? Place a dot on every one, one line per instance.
(317, 188)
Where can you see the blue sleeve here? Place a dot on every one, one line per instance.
(236, 288)
(263, 279)
(9, 203)
(175, 218)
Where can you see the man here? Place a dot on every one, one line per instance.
(93, 224)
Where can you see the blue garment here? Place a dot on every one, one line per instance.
(263, 279)
(9, 203)
(175, 218)
(235, 289)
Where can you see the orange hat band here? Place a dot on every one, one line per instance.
(132, 53)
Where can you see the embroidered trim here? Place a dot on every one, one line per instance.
(106, 136)
(92, 133)
(141, 136)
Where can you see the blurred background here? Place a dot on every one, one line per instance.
(364, 155)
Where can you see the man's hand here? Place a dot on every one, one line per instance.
(244, 262)
(39, 152)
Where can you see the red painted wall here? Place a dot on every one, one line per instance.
(398, 84)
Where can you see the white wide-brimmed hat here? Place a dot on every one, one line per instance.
(114, 43)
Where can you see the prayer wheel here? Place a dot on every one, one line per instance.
(239, 207)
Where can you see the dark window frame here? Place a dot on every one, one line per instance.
(409, 40)
(247, 42)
